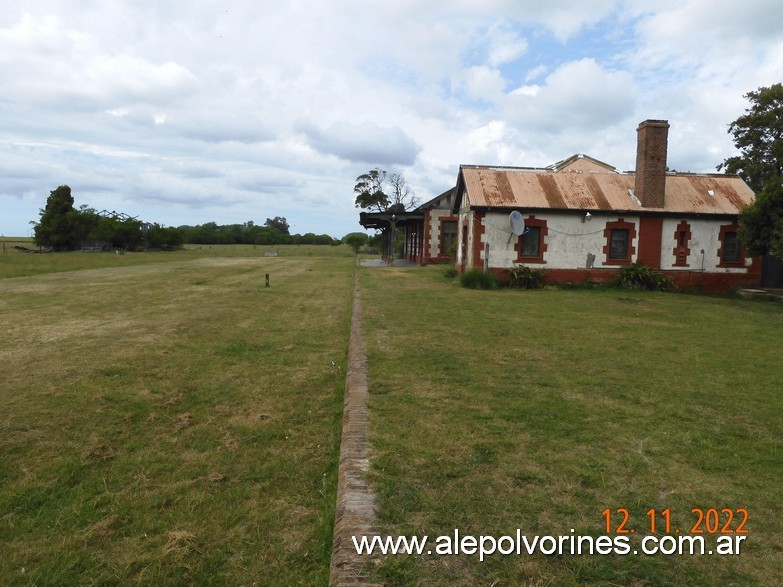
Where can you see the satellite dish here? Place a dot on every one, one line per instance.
(517, 222)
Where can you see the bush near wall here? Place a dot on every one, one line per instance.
(523, 277)
(640, 276)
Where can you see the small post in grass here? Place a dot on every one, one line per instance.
(267, 280)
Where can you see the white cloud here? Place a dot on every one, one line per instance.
(505, 45)
(482, 83)
(365, 142)
(49, 63)
(578, 96)
(248, 110)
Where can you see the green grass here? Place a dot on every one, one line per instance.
(172, 422)
(167, 419)
(14, 263)
(537, 410)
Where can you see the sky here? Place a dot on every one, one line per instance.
(242, 110)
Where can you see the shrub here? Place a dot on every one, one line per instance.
(450, 272)
(640, 276)
(522, 277)
(477, 279)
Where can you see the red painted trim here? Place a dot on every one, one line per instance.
(478, 245)
(681, 251)
(721, 235)
(463, 245)
(650, 237)
(427, 235)
(542, 246)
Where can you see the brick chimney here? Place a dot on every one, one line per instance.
(651, 142)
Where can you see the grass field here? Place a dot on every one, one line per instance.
(167, 419)
(538, 410)
(14, 263)
(171, 422)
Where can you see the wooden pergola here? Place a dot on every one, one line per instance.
(392, 224)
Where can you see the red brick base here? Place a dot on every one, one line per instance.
(688, 280)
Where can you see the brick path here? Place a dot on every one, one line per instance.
(355, 512)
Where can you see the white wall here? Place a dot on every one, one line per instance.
(569, 241)
(704, 235)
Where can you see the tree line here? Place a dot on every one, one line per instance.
(63, 227)
(272, 232)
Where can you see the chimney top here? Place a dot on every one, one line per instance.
(651, 146)
(653, 122)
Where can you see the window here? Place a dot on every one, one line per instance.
(730, 253)
(730, 248)
(619, 249)
(448, 237)
(682, 236)
(531, 245)
(530, 242)
(618, 244)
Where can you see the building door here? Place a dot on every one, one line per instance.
(771, 272)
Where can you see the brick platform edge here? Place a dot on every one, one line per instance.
(355, 510)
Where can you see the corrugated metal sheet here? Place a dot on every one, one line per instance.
(529, 188)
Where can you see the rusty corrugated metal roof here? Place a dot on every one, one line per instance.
(540, 188)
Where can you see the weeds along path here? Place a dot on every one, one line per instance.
(355, 511)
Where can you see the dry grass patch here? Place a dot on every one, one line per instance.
(156, 432)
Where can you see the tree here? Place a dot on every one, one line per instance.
(758, 134)
(356, 240)
(761, 223)
(278, 223)
(60, 225)
(379, 191)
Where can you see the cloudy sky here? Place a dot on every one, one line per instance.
(190, 112)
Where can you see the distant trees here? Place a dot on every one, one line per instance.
(278, 223)
(113, 231)
(249, 233)
(758, 134)
(63, 227)
(159, 237)
(379, 191)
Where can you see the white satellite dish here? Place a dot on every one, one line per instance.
(517, 222)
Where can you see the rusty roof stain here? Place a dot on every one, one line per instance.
(520, 187)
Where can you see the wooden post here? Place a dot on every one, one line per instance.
(267, 280)
(486, 257)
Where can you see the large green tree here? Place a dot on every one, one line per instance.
(379, 191)
(758, 134)
(61, 226)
